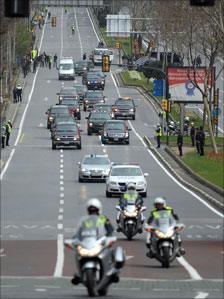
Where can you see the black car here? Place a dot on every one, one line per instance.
(73, 106)
(104, 108)
(124, 108)
(115, 131)
(95, 121)
(68, 92)
(65, 118)
(81, 66)
(94, 80)
(81, 90)
(91, 98)
(66, 135)
(54, 111)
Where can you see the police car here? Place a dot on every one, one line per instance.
(122, 174)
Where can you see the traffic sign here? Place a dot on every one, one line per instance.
(158, 87)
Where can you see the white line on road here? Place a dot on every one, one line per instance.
(61, 171)
(62, 201)
(62, 195)
(201, 295)
(60, 257)
(192, 272)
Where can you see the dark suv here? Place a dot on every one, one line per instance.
(68, 92)
(124, 107)
(95, 121)
(94, 80)
(55, 110)
(91, 98)
(73, 106)
(67, 134)
(115, 131)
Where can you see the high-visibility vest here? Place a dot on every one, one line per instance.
(159, 133)
(130, 196)
(156, 214)
(8, 128)
(34, 53)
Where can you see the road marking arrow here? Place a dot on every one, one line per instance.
(128, 257)
(2, 254)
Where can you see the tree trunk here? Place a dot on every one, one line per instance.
(205, 99)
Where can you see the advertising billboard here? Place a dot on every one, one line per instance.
(181, 85)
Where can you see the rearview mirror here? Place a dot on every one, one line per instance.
(146, 174)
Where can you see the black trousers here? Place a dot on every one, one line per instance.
(7, 139)
(180, 149)
(201, 149)
(198, 147)
(158, 141)
(192, 140)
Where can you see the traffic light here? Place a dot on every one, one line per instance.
(105, 63)
(53, 21)
(118, 45)
(202, 2)
(166, 105)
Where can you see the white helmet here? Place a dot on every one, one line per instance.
(94, 202)
(158, 125)
(159, 200)
(131, 186)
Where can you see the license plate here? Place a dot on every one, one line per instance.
(66, 142)
(115, 139)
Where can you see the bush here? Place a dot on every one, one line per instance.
(23, 40)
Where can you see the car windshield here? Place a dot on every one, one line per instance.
(103, 107)
(99, 52)
(66, 66)
(99, 115)
(126, 171)
(66, 127)
(124, 103)
(81, 63)
(92, 77)
(68, 91)
(96, 161)
(69, 102)
(56, 110)
(115, 126)
(94, 95)
(80, 88)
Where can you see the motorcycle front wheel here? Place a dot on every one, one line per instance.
(130, 231)
(166, 257)
(103, 292)
(90, 282)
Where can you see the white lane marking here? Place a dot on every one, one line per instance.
(45, 99)
(77, 27)
(48, 81)
(40, 290)
(201, 295)
(62, 195)
(166, 290)
(61, 160)
(61, 177)
(2, 252)
(47, 286)
(60, 226)
(128, 257)
(61, 166)
(192, 271)
(61, 155)
(61, 150)
(9, 286)
(62, 201)
(24, 114)
(62, 188)
(40, 125)
(61, 210)
(60, 217)
(60, 257)
(61, 171)
(61, 183)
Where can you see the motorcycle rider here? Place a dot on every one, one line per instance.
(159, 205)
(94, 219)
(131, 195)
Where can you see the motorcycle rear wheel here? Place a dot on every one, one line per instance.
(166, 257)
(90, 282)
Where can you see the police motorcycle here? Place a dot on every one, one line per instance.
(164, 238)
(97, 262)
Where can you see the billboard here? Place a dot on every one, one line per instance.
(181, 88)
(118, 25)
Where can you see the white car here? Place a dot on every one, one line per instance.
(122, 174)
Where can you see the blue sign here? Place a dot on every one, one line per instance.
(158, 87)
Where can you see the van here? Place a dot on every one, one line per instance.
(97, 55)
(66, 68)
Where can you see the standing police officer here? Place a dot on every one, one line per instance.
(8, 131)
(158, 134)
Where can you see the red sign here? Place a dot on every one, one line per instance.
(180, 75)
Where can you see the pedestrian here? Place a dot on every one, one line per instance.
(55, 60)
(158, 134)
(202, 141)
(198, 60)
(19, 93)
(14, 95)
(46, 57)
(180, 142)
(35, 65)
(49, 62)
(8, 131)
(192, 134)
(197, 140)
(84, 56)
(3, 135)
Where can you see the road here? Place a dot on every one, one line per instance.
(41, 199)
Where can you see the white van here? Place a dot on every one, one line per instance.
(98, 52)
(66, 68)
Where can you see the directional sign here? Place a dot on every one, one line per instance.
(158, 87)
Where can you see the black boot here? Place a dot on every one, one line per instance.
(75, 280)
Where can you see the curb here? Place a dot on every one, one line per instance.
(196, 177)
(211, 199)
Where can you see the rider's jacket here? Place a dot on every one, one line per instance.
(155, 213)
(130, 197)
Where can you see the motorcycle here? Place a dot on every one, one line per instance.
(131, 221)
(164, 238)
(97, 262)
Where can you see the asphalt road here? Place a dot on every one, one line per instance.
(42, 201)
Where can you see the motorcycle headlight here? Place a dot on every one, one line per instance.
(51, 118)
(89, 252)
(86, 101)
(166, 235)
(131, 214)
(60, 98)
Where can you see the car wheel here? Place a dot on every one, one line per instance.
(127, 142)
(103, 141)
(80, 180)
(48, 126)
(89, 132)
(84, 108)
(79, 146)
(133, 117)
(108, 194)
(53, 146)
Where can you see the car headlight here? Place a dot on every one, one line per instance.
(84, 169)
(131, 214)
(166, 235)
(112, 183)
(51, 118)
(106, 171)
(77, 109)
(102, 82)
(90, 124)
(101, 101)
(131, 110)
(58, 138)
(60, 98)
(141, 183)
(89, 252)
(88, 82)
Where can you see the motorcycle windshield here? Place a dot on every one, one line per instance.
(164, 221)
(130, 208)
(89, 242)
